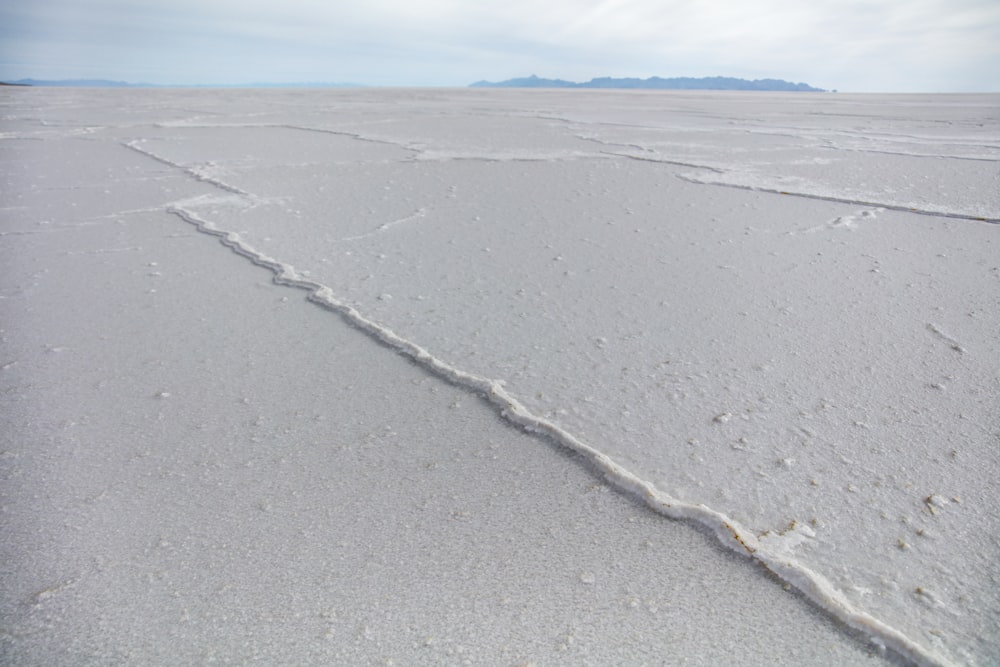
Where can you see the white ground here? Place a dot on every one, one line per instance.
(781, 311)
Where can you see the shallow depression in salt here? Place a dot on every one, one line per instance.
(781, 307)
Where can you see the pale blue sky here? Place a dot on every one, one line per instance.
(851, 45)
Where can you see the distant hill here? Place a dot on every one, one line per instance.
(656, 83)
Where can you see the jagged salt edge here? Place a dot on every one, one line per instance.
(191, 171)
(951, 215)
(729, 532)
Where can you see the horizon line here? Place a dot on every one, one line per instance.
(31, 82)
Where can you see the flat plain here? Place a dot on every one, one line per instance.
(499, 377)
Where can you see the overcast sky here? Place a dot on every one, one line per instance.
(850, 45)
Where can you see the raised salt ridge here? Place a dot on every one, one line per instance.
(770, 553)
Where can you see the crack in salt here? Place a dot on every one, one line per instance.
(416, 215)
(773, 553)
(196, 174)
(842, 200)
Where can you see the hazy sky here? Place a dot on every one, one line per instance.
(850, 45)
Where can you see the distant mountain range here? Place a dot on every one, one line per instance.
(656, 83)
(652, 83)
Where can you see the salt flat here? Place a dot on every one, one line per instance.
(773, 314)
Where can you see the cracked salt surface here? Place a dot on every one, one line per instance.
(526, 239)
